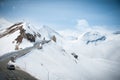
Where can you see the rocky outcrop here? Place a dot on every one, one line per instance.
(53, 38)
(30, 37)
(23, 34)
(11, 29)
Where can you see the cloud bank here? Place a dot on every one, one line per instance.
(83, 25)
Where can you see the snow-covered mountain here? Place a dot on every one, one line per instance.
(23, 35)
(47, 33)
(18, 36)
(66, 57)
(93, 37)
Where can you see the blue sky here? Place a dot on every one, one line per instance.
(63, 14)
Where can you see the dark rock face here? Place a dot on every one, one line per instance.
(25, 35)
(75, 55)
(19, 39)
(30, 37)
(99, 39)
(11, 29)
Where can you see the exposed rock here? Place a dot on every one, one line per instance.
(16, 47)
(53, 38)
(23, 35)
(75, 55)
(19, 39)
(30, 37)
(11, 29)
(17, 24)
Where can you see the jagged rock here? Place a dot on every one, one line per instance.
(11, 29)
(25, 35)
(75, 55)
(53, 38)
(19, 39)
(30, 37)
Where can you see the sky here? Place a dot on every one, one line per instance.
(63, 14)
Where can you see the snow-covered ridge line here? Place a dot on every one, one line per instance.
(21, 35)
(11, 29)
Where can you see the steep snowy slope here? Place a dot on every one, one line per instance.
(94, 62)
(48, 33)
(52, 63)
(17, 36)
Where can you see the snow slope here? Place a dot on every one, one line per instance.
(48, 33)
(95, 62)
(8, 41)
(98, 60)
(52, 63)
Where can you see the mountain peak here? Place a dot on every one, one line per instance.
(93, 36)
(48, 32)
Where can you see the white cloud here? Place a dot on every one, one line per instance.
(83, 25)
(69, 32)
